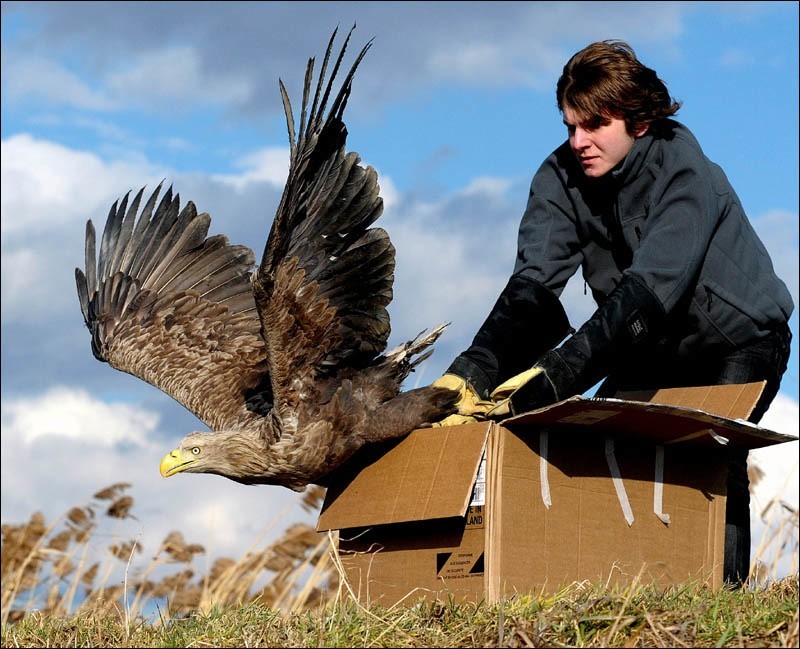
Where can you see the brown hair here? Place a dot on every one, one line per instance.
(605, 80)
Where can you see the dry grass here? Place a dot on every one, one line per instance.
(582, 615)
(56, 592)
(48, 569)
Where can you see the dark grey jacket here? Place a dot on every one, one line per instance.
(669, 216)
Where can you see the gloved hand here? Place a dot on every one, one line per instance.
(548, 381)
(470, 406)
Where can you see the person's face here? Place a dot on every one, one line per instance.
(599, 149)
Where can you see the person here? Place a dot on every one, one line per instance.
(686, 292)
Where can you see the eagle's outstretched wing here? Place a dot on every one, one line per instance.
(285, 362)
(175, 308)
(326, 276)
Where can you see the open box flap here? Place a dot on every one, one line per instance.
(428, 475)
(698, 415)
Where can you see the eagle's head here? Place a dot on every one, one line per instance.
(232, 454)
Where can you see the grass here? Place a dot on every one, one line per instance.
(56, 591)
(580, 616)
(47, 569)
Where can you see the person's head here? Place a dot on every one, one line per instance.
(608, 98)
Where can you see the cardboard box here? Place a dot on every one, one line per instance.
(586, 489)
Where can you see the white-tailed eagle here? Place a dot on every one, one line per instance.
(284, 362)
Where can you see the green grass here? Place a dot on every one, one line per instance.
(580, 616)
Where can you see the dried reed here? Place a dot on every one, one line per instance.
(45, 568)
(52, 569)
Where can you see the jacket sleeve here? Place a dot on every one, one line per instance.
(526, 320)
(528, 317)
(628, 317)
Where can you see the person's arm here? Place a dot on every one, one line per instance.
(629, 316)
(527, 317)
(526, 320)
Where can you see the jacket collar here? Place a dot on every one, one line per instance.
(633, 163)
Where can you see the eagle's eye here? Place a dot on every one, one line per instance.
(196, 450)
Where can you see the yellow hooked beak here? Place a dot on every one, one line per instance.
(174, 462)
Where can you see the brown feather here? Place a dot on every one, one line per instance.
(285, 363)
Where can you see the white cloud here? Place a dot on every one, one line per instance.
(487, 186)
(47, 193)
(174, 75)
(531, 51)
(38, 280)
(44, 80)
(776, 493)
(389, 192)
(46, 185)
(74, 414)
(778, 230)
(779, 462)
(437, 276)
(21, 274)
(269, 165)
(177, 144)
(473, 62)
(736, 58)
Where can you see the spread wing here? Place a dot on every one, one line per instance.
(175, 308)
(326, 276)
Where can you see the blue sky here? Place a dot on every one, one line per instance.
(455, 108)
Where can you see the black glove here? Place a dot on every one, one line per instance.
(628, 317)
(526, 320)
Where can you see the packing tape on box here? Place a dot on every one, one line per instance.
(616, 478)
(543, 436)
(718, 438)
(658, 486)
